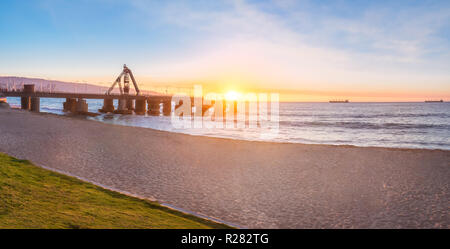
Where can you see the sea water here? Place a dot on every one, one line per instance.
(401, 125)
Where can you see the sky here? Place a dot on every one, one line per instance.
(304, 50)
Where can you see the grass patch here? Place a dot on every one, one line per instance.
(32, 197)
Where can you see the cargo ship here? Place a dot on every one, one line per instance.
(434, 101)
(339, 101)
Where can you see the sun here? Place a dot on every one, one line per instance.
(232, 96)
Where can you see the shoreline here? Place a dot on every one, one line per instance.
(84, 118)
(251, 184)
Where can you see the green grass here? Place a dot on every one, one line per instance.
(32, 197)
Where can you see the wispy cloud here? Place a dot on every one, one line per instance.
(293, 44)
(308, 46)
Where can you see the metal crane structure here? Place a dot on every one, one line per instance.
(126, 74)
(125, 104)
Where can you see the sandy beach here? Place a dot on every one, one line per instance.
(251, 184)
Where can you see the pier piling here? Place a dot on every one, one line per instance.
(140, 107)
(35, 104)
(70, 105)
(25, 102)
(153, 106)
(130, 104)
(122, 107)
(108, 105)
(76, 102)
(167, 107)
(82, 106)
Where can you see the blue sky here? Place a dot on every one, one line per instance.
(396, 48)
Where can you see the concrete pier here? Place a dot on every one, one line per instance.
(193, 110)
(122, 107)
(205, 108)
(76, 102)
(25, 102)
(35, 104)
(130, 104)
(140, 107)
(82, 106)
(77, 106)
(70, 105)
(108, 106)
(225, 107)
(167, 107)
(153, 106)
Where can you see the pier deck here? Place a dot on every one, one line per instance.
(76, 102)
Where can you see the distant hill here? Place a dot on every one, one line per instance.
(12, 82)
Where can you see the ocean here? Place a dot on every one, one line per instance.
(398, 125)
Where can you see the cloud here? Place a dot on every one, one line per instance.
(302, 45)
(291, 47)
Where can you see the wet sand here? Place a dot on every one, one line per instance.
(251, 184)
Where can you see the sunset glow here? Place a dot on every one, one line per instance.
(365, 52)
(232, 96)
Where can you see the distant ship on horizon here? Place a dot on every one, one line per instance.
(339, 101)
(434, 101)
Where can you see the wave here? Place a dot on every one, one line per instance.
(367, 116)
(364, 125)
(47, 108)
(418, 126)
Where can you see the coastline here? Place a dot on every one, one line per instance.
(84, 118)
(251, 183)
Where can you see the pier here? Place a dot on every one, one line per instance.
(76, 102)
